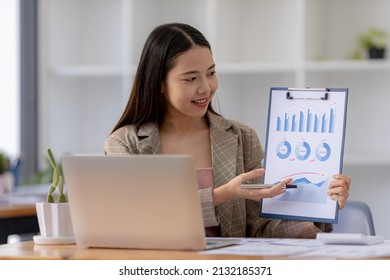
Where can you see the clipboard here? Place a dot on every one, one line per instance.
(304, 141)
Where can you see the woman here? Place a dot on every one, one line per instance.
(170, 112)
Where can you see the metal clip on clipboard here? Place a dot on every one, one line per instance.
(289, 93)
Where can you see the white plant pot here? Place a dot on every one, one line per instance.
(55, 223)
(6, 183)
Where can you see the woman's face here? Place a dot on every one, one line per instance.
(191, 83)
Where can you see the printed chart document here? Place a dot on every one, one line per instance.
(305, 141)
(303, 248)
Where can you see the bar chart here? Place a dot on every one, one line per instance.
(306, 120)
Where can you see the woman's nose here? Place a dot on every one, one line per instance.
(204, 86)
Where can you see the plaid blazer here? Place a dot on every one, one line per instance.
(235, 149)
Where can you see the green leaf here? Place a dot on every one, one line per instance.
(51, 189)
(60, 184)
(52, 161)
(58, 181)
(55, 178)
(50, 198)
(62, 198)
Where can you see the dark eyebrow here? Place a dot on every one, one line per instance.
(194, 72)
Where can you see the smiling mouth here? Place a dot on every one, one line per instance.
(200, 101)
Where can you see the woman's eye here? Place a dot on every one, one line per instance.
(212, 73)
(191, 79)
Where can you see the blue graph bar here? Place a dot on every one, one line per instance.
(323, 125)
(278, 124)
(307, 122)
(294, 124)
(308, 125)
(286, 123)
(301, 121)
(316, 123)
(331, 121)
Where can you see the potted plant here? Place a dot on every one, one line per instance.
(54, 218)
(373, 42)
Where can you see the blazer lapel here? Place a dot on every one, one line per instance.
(149, 139)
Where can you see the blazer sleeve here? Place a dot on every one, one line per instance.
(114, 146)
(208, 209)
(122, 141)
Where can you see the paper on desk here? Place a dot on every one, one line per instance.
(265, 247)
(305, 248)
(265, 250)
(282, 241)
(351, 251)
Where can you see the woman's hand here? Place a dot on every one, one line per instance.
(339, 189)
(233, 189)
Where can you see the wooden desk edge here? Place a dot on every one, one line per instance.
(15, 211)
(29, 251)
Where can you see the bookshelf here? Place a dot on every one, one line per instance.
(90, 48)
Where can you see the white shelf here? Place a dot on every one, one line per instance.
(348, 65)
(87, 71)
(245, 68)
(232, 68)
(89, 51)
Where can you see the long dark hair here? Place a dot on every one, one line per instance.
(147, 103)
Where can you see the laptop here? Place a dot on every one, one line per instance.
(136, 201)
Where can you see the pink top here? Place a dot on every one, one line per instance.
(205, 177)
(206, 180)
